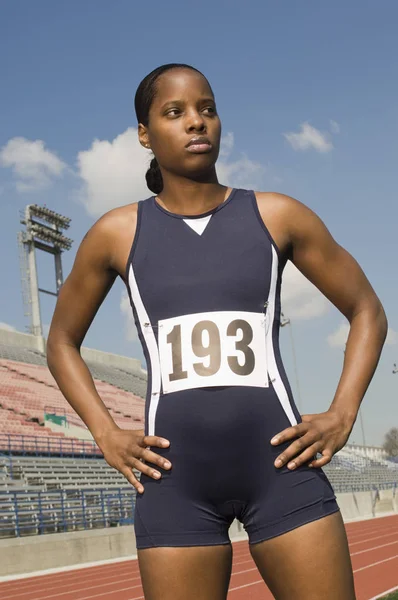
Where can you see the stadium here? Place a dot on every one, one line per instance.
(62, 507)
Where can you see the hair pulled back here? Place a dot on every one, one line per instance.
(143, 99)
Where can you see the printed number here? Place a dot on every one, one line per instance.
(174, 338)
(242, 345)
(213, 349)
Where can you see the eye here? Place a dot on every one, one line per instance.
(172, 110)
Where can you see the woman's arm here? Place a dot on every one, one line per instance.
(339, 277)
(79, 299)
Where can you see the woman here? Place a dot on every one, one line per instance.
(203, 264)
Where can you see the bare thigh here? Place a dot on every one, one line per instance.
(195, 572)
(311, 562)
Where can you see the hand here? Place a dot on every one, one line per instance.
(326, 433)
(125, 450)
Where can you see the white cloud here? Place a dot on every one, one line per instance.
(334, 126)
(243, 173)
(7, 327)
(300, 298)
(33, 165)
(113, 172)
(338, 338)
(309, 137)
(392, 337)
(226, 144)
(131, 330)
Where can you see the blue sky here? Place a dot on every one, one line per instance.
(308, 98)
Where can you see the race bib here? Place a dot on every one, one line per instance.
(213, 348)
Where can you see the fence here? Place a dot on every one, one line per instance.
(31, 513)
(46, 446)
(89, 497)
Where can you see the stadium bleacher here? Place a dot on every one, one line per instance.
(54, 480)
(29, 391)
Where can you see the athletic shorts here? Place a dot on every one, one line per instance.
(222, 469)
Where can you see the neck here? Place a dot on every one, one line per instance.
(188, 197)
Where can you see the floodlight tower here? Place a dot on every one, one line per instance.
(43, 232)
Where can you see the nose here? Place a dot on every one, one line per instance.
(195, 121)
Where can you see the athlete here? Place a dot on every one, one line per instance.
(223, 439)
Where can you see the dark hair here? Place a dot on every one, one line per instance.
(143, 99)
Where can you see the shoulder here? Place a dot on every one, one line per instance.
(121, 216)
(110, 232)
(285, 218)
(277, 203)
(113, 223)
(289, 215)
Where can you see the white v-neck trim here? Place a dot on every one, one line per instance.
(198, 224)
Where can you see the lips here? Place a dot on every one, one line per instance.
(198, 141)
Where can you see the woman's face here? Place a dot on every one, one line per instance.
(183, 108)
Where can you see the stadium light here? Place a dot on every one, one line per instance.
(44, 213)
(43, 232)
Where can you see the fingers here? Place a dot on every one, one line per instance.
(307, 418)
(290, 433)
(308, 455)
(146, 470)
(152, 457)
(324, 460)
(155, 459)
(131, 478)
(147, 455)
(139, 456)
(149, 470)
(135, 463)
(294, 449)
(303, 450)
(154, 440)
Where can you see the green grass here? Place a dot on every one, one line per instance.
(392, 596)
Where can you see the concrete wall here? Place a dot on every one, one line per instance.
(22, 340)
(114, 360)
(36, 553)
(41, 552)
(356, 505)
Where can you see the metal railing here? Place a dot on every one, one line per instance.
(27, 445)
(341, 487)
(40, 512)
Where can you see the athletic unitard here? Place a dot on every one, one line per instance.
(205, 295)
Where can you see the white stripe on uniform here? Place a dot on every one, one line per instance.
(273, 371)
(152, 347)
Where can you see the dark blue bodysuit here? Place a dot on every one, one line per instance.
(205, 294)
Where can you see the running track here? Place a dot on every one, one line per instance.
(373, 547)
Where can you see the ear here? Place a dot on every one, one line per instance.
(143, 136)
